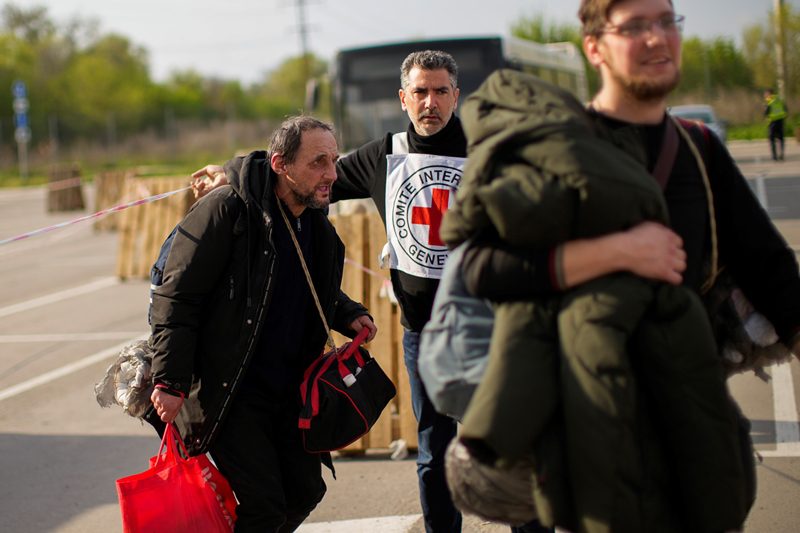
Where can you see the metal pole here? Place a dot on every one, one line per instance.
(303, 30)
(22, 155)
(780, 60)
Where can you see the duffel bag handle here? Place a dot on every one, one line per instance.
(309, 389)
(345, 354)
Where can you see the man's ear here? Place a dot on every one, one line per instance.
(402, 96)
(591, 48)
(278, 164)
(457, 93)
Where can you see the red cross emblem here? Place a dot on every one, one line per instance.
(432, 216)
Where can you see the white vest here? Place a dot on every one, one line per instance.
(419, 190)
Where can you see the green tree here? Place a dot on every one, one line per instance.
(107, 87)
(226, 99)
(283, 90)
(759, 50)
(184, 94)
(98, 86)
(713, 65)
(31, 25)
(34, 51)
(538, 29)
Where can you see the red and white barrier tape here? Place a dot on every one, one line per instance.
(385, 286)
(99, 214)
(364, 269)
(386, 290)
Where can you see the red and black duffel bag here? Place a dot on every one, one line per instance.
(343, 393)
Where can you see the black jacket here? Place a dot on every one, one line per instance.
(208, 313)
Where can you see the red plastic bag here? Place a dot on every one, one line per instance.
(176, 494)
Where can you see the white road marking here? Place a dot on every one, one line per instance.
(48, 299)
(69, 337)
(384, 524)
(779, 453)
(65, 370)
(787, 423)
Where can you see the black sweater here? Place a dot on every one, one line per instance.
(362, 174)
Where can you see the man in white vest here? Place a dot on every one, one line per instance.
(412, 177)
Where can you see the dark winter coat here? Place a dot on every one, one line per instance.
(208, 313)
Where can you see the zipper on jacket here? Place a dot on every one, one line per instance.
(231, 292)
(251, 343)
(259, 319)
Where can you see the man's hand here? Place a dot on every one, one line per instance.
(364, 322)
(207, 179)
(653, 251)
(167, 405)
(649, 250)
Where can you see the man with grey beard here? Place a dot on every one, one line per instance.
(235, 322)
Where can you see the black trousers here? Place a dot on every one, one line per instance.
(776, 136)
(259, 450)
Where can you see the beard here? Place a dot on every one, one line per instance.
(310, 200)
(647, 89)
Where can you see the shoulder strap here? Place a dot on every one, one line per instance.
(666, 157)
(712, 215)
(400, 143)
(307, 273)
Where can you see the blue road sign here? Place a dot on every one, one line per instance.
(19, 90)
(22, 133)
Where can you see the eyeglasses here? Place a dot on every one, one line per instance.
(639, 27)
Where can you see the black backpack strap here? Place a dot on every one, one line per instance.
(666, 157)
(695, 127)
(702, 165)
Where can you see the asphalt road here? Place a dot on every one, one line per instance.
(781, 196)
(64, 317)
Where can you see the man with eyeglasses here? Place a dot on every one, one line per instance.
(636, 47)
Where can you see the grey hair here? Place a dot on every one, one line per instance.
(286, 139)
(429, 60)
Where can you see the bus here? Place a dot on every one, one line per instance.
(365, 81)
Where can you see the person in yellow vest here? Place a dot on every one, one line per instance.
(775, 111)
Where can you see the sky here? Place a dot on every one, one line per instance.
(245, 39)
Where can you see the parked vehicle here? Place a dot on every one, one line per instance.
(702, 113)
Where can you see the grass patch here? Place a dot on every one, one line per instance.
(180, 165)
(747, 132)
(11, 178)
